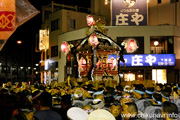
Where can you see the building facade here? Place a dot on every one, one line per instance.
(162, 27)
(57, 19)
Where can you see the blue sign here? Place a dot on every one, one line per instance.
(141, 60)
(129, 12)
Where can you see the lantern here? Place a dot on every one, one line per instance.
(132, 45)
(93, 40)
(90, 20)
(64, 48)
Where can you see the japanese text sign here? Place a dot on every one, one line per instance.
(142, 60)
(129, 12)
(149, 60)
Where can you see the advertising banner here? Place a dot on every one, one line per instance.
(43, 41)
(142, 60)
(129, 12)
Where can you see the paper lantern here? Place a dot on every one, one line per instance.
(93, 40)
(64, 48)
(132, 45)
(90, 20)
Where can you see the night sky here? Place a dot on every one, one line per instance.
(27, 32)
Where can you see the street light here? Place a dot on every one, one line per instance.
(156, 44)
(19, 42)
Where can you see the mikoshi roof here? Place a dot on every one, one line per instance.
(105, 42)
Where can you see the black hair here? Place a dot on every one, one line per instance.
(150, 89)
(66, 99)
(45, 99)
(100, 89)
(160, 85)
(170, 108)
(175, 90)
(157, 97)
(41, 87)
(166, 93)
(140, 88)
(119, 87)
(110, 89)
(26, 92)
(109, 99)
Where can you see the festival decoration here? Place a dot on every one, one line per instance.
(90, 20)
(65, 47)
(132, 45)
(93, 40)
(13, 13)
(99, 25)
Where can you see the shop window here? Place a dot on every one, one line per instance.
(162, 45)
(72, 24)
(54, 51)
(159, 75)
(55, 24)
(129, 77)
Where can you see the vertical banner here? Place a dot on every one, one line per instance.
(129, 12)
(42, 39)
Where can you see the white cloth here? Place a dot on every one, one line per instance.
(178, 104)
(100, 114)
(142, 105)
(78, 103)
(76, 113)
(152, 113)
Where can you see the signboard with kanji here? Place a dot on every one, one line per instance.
(142, 60)
(129, 12)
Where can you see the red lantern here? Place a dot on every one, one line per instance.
(64, 48)
(90, 20)
(132, 45)
(93, 40)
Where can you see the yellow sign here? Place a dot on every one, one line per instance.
(43, 40)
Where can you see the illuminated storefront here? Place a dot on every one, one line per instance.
(138, 64)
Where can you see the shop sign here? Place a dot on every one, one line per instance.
(129, 12)
(141, 60)
(42, 41)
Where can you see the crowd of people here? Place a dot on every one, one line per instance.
(85, 101)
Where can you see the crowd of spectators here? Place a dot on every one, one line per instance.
(84, 101)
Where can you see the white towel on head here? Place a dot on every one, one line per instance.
(76, 113)
(100, 114)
